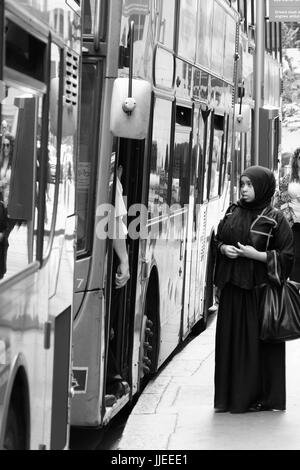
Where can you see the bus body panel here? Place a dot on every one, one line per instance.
(87, 359)
(22, 332)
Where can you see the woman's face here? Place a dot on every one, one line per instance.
(247, 190)
(6, 147)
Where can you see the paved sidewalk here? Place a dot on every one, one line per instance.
(175, 411)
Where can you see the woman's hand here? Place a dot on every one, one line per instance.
(247, 251)
(229, 251)
(122, 275)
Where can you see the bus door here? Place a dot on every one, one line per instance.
(200, 217)
(179, 199)
(91, 196)
(129, 162)
(196, 183)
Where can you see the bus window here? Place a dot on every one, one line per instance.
(187, 29)
(206, 116)
(180, 167)
(53, 170)
(226, 152)
(17, 175)
(200, 126)
(85, 177)
(90, 17)
(217, 45)
(166, 23)
(137, 11)
(229, 45)
(160, 154)
(205, 33)
(216, 156)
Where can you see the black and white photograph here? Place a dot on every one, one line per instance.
(150, 227)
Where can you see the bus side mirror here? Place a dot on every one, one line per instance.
(129, 116)
(242, 118)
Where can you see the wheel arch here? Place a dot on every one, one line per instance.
(151, 309)
(17, 395)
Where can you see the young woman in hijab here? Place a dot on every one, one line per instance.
(254, 245)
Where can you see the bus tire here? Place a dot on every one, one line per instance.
(149, 333)
(146, 348)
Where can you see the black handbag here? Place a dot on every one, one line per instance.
(280, 312)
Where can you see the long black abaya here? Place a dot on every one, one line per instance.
(246, 369)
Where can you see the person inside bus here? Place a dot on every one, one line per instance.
(288, 199)
(116, 387)
(5, 167)
(4, 131)
(249, 374)
(5, 174)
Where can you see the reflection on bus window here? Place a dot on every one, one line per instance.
(166, 23)
(85, 176)
(17, 176)
(53, 155)
(137, 11)
(187, 29)
(217, 46)
(89, 16)
(160, 155)
(205, 32)
(216, 163)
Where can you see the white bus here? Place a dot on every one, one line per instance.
(174, 149)
(40, 47)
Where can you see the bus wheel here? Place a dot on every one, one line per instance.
(145, 351)
(13, 438)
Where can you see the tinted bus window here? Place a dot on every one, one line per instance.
(187, 29)
(85, 176)
(89, 17)
(166, 23)
(205, 32)
(160, 154)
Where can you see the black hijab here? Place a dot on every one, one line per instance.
(264, 185)
(236, 227)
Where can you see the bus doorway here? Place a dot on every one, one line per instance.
(128, 169)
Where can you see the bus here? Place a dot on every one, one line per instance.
(40, 56)
(159, 87)
(259, 82)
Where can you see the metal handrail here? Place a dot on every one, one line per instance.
(98, 11)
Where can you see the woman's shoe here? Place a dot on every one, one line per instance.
(261, 407)
(258, 407)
